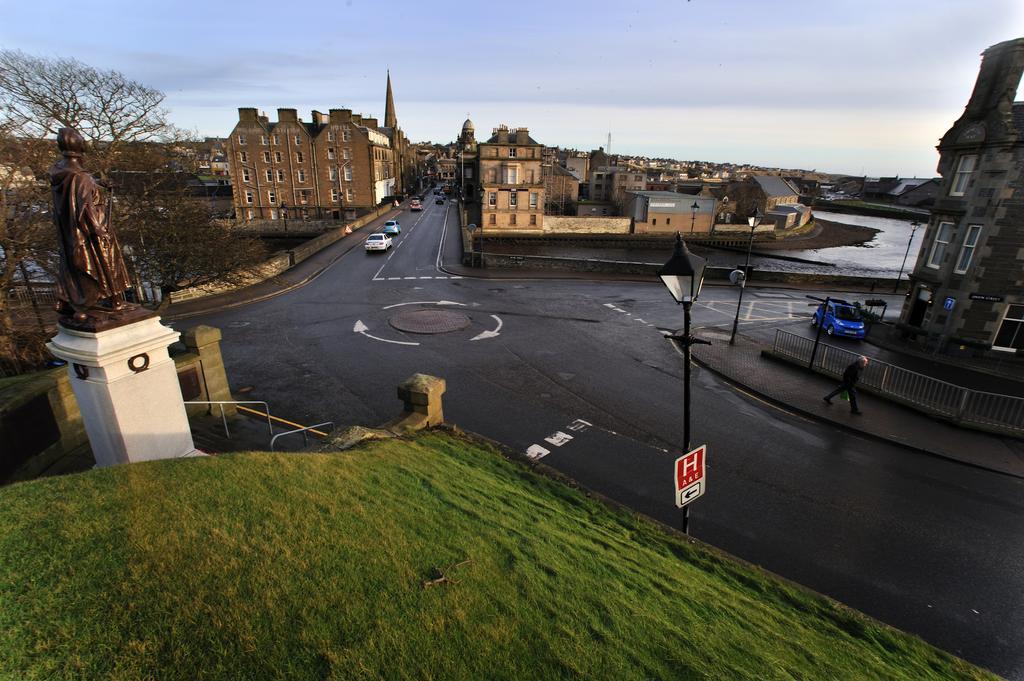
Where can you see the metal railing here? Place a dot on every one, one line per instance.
(224, 418)
(993, 411)
(304, 430)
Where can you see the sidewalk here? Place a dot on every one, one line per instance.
(802, 392)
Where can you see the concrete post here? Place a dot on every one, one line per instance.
(204, 341)
(422, 396)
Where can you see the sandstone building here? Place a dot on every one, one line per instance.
(511, 181)
(338, 165)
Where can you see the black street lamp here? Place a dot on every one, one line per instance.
(683, 276)
(913, 228)
(754, 219)
(284, 215)
(693, 215)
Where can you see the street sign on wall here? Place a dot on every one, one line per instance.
(690, 478)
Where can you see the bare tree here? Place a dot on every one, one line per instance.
(131, 142)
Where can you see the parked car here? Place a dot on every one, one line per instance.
(391, 228)
(840, 319)
(415, 205)
(377, 242)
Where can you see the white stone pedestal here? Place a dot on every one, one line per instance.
(127, 390)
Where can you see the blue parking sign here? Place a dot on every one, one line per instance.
(948, 305)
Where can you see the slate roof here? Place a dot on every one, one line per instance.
(775, 186)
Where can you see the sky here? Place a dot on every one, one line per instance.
(863, 87)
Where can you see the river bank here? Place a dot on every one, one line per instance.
(824, 234)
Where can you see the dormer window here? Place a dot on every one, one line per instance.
(962, 177)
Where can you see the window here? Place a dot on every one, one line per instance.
(248, 197)
(245, 175)
(275, 140)
(270, 175)
(512, 175)
(249, 214)
(493, 219)
(280, 175)
(1011, 331)
(302, 175)
(241, 139)
(272, 197)
(967, 250)
(533, 199)
(492, 199)
(334, 172)
(278, 158)
(346, 153)
(266, 157)
(512, 219)
(330, 135)
(330, 153)
(346, 135)
(668, 221)
(348, 173)
(298, 140)
(303, 196)
(335, 195)
(963, 174)
(533, 219)
(492, 175)
(654, 221)
(243, 157)
(531, 177)
(348, 195)
(942, 236)
(299, 158)
(513, 200)
(263, 140)
(511, 152)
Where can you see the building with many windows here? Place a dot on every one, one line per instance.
(967, 287)
(511, 181)
(337, 165)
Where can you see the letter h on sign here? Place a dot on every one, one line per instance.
(690, 482)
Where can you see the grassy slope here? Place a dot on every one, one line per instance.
(310, 566)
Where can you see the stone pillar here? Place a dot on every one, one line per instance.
(422, 397)
(127, 389)
(204, 341)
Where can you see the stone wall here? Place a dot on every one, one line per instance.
(555, 224)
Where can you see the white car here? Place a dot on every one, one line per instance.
(378, 242)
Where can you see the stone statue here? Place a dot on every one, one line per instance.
(93, 276)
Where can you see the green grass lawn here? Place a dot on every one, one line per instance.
(258, 566)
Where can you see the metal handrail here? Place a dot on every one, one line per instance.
(224, 419)
(305, 438)
(933, 395)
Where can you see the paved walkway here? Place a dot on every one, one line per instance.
(802, 392)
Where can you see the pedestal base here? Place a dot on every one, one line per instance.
(127, 390)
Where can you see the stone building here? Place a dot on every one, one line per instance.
(511, 181)
(562, 189)
(967, 287)
(338, 165)
(656, 212)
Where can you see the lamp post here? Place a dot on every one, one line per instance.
(754, 219)
(284, 215)
(683, 275)
(913, 228)
(693, 215)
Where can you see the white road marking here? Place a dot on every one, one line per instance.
(424, 302)
(536, 452)
(579, 425)
(363, 328)
(558, 439)
(489, 334)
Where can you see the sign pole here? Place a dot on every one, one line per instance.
(686, 399)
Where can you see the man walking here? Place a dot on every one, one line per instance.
(849, 384)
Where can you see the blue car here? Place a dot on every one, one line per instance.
(840, 319)
(391, 228)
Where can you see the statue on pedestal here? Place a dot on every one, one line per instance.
(93, 276)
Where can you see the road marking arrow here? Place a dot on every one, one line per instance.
(363, 328)
(489, 334)
(424, 302)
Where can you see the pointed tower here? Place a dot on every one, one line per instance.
(390, 119)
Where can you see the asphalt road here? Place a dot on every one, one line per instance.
(926, 545)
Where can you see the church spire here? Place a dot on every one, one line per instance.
(390, 119)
